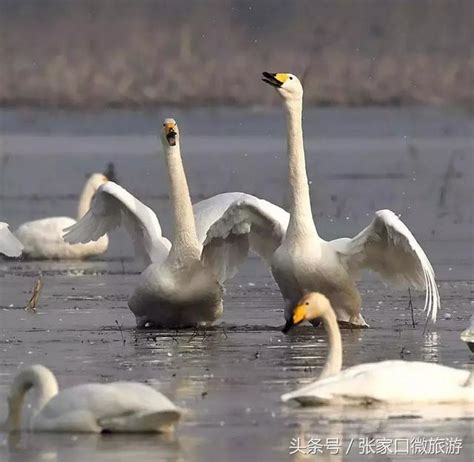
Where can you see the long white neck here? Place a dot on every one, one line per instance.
(185, 243)
(333, 363)
(301, 218)
(38, 378)
(85, 199)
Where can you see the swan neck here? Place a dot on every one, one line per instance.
(185, 238)
(301, 218)
(36, 378)
(333, 363)
(85, 199)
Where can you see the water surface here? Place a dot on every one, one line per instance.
(229, 378)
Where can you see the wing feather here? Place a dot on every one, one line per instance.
(248, 223)
(112, 207)
(389, 248)
(9, 244)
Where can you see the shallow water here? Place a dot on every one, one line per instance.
(229, 378)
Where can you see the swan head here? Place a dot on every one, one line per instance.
(170, 132)
(287, 85)
(312, 306)
(96, 179)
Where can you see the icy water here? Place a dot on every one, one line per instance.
(417, 162)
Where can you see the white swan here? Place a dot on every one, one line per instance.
(91, 408)
(43, 239)
(9, 244)
(383, 382)
(300, 260)
(468, 335)
(181, 287)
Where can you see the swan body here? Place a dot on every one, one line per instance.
(300, 260)
(175, 296)
(390, 382)
(182, 282)
(90, 408)
(9, 244)
(43, 239)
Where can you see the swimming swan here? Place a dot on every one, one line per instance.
(182, 283)
(395, 381)
(43, 239)
(300, 260)
(91, 408)
(9, 244)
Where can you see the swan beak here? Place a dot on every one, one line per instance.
(170, 134)
(299, 315)
(275, 80)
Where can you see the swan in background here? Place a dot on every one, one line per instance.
(300, 260)
(468, 335)
(90, 408)
(393, 382)
(182, 283)
(9, 244)
(43, 239)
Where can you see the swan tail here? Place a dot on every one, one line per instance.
(156, 422)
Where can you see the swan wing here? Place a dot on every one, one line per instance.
(114, 206)
(9, 244)
(119, 406)
(388, 247)
(246, 223)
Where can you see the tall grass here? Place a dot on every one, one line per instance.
(95, 53)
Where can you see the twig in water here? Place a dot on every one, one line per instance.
(121, 332)
(224, 332)
(410, 305)
(31, 305)
(174, 337)
(196, 333)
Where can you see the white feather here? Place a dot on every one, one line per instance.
(247, 223)
(113, 206)
(388, 247)
(9, 244)
(394, 382)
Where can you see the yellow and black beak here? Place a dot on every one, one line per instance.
(170, 133)
(273, 79)
(298, 316)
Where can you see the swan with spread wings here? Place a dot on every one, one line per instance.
(300, 260)
(181, 285)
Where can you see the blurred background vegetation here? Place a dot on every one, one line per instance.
(96, 53)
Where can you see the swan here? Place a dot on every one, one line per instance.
(9, 244)
(389, 382)
(468, 335)
(182, 283)
(88, 408)
(299, 259)
(42, 239)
